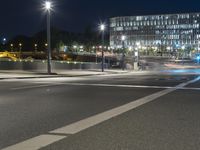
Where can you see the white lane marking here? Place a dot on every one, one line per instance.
(94, 120)
(86, 84)
(133, 86)
(36, 142)
(30, 87)
(117, 85)
(48, 84)
(45, 140)
(188, 88)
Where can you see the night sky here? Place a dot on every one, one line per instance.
(26, 17)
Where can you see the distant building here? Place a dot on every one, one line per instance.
(168, 32)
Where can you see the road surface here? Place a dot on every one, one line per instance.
(111, 112)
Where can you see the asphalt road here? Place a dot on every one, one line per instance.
(34, 107)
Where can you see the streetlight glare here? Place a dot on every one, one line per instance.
(123, 37)
(138, 43)
(48, 5)
(102, 27)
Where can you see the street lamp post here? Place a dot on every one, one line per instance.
(48, 8)
(123, 38)
(20, 50)
(36, 48)
(11, 45)
(183, 53)
(138, 47)
(102, 28)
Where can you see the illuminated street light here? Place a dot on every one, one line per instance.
(183, 54)
(11, 45)
(20, 49)
(102, 29)
(35, 47)
(123, 38)
(130, 48)
(75, 47)
(4, 40)
(48, 6)
(137, 53)
(20, 44)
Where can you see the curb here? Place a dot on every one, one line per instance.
(57, 76)
(63, 75)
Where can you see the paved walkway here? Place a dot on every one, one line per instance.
(10, 74)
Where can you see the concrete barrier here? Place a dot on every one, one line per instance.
(42, 65)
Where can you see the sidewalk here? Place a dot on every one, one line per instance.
(19, 74)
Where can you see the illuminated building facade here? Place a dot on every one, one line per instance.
(168, 32)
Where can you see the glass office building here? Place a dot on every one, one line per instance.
(165, 32)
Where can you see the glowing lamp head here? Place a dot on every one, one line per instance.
(183, 47)
(74, 46)
(102, 27)
(198, 57)
(48, 5)
(123, 37)
(138, 44)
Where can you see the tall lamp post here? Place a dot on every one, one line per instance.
(35, 48)
(123, 38)
(137, 52)
(48, 6)
(11, 46)
(20, 50)
(183, 52)
(102, 28)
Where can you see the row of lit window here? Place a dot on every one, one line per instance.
(149, 23)
(154, 42)
(183, 26)
(156, 37)
(188, 29)
(156, 17)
